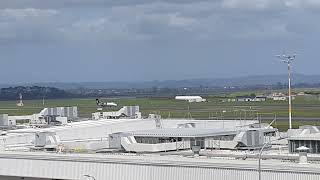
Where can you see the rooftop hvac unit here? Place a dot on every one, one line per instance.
(46, 140)
(196, 150)
(250, 139)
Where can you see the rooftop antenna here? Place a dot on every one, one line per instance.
(288, 59)
(20, 103)
(44, 96)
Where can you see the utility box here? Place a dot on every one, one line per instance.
(40, 139)
(63, 120)
(115, 140)
(46, 139)
(6, 122)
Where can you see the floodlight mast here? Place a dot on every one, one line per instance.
(288, 59)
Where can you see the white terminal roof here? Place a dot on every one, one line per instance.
(183, 132)
(310, 137)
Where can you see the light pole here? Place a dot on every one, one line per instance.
(89, 176)
(288, 59)
(260, 153)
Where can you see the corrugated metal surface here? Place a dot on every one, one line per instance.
(70, 112)
(18, 178)
(144, 168)
(183, 132)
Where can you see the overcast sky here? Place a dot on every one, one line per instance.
(138, 40)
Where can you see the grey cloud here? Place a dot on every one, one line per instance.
(157, 20)
(51, 3)
(79, 3)
(233, 4)
(251, 4)
(202, 20)
(143, 22)
(302, 3)
(150, 39)
(28, 12)
(27, 24)
(270, 4)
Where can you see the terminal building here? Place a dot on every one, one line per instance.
(159, 140)
(309, 136)
(135, 148)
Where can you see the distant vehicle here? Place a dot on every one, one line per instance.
(191, 98)
(105, 104)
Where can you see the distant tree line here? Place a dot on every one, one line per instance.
(39, 92)
(32, 92)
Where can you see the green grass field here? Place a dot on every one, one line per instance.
(214, 109)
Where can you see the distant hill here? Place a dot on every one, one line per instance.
(214, 82)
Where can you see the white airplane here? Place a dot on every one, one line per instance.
(105, 104)
(191, 98)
